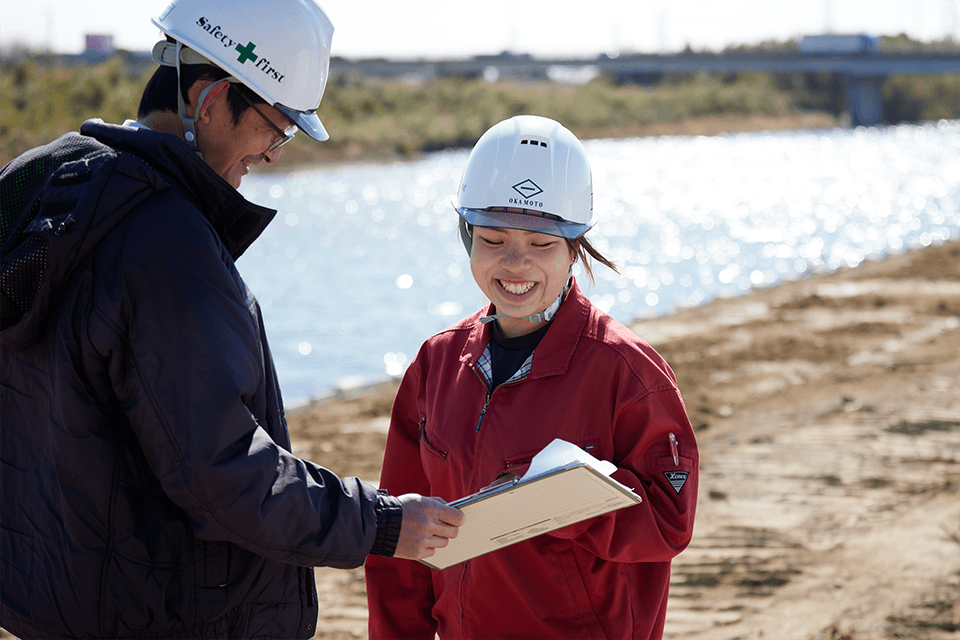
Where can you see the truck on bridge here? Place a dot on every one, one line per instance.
(837, 43)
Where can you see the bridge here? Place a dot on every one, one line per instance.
(862, 73)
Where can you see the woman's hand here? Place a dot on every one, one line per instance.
(507, 477)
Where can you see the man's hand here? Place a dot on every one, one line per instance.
(428, 524)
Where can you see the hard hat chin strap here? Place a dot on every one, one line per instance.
(171, 54)
(190, 124)
(545, 315)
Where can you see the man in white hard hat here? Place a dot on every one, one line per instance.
(148, 489)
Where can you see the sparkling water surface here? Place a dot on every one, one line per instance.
(363, 262)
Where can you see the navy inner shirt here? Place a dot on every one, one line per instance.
(509, 354)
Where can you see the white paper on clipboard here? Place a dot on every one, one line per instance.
(563, 485)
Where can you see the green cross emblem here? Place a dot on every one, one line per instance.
(246, 53)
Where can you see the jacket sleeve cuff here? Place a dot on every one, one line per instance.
(389, 518)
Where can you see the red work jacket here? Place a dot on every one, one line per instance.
(592, 382)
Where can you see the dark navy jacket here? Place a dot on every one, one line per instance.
(148, 489)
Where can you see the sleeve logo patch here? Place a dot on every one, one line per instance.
(676, 479)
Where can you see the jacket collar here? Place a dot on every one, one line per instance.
(236, 220)
(554, 353)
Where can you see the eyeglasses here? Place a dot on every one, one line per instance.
(283, 136)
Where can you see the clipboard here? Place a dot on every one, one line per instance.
(537, 503)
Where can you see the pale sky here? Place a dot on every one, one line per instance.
(436, 29)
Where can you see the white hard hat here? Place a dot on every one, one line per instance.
(279, 49)
(531, 163)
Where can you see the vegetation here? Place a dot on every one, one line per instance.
(40, 100)
(455, 112)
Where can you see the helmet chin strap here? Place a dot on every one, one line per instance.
(545, 315)
(190, 124)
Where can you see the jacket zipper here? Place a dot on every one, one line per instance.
(483, 411)
(523, 461)
(490, 391)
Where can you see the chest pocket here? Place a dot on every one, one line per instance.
(427, 446)
(520, 462)
(435, 459)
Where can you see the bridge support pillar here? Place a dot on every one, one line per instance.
(864, 100)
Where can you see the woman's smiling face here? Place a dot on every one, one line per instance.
(521, 272)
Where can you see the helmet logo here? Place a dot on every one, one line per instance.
(528, 188)
(246, 53)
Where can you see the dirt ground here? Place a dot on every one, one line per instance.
(827, 412)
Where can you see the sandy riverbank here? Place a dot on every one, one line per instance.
(828, 416)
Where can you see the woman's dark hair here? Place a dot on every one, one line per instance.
(582, 248)
(160, 94)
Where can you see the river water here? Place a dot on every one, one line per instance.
(363, 262)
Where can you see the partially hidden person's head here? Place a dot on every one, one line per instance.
(242, 75)
(525, 202)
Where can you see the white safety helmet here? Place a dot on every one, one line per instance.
(279, 49)
(531, 163)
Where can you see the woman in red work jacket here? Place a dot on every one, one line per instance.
(541, 362)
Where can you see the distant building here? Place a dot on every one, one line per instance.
(99, 43)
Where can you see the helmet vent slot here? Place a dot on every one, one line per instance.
(533, 142)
